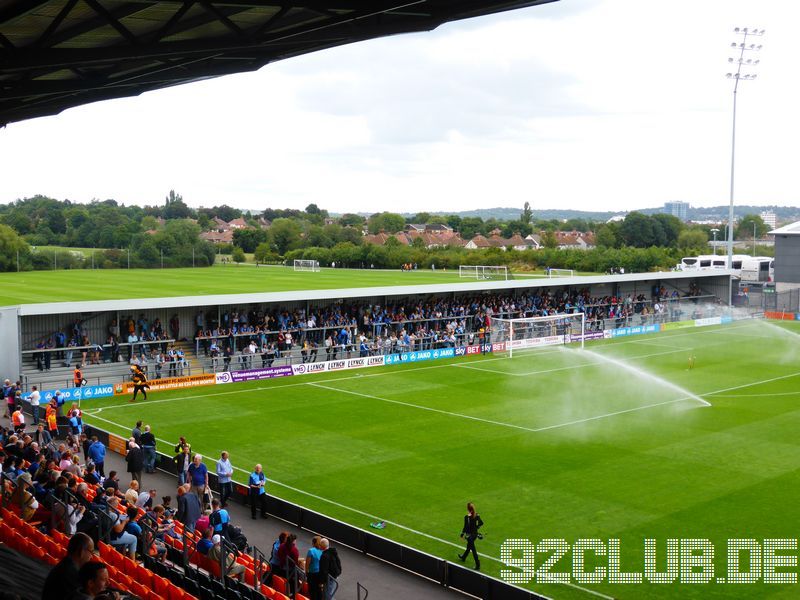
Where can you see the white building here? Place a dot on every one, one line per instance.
(769, 218)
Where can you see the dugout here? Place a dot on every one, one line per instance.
(25, 326)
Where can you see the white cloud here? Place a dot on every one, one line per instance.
(596, 104)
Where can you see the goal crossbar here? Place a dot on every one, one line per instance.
(560, 273)
(517, 328)
(483, 271)
(306, 265)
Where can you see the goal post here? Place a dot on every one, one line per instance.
(306, 265)
(483, 271)
(560, 273)
(534, 332)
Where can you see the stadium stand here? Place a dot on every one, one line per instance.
(256, 336)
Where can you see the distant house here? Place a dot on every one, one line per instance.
(220, 225)
(239, 223)
(477, 242)
(217, 237)
(575, 240)
(406, 238)
(418, 227)
(264, 223)
(534, 241)
(516, 241)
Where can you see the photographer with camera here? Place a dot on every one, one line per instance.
(472, 523)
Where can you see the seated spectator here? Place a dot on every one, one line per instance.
(93, 578)
(63, 578)
(231, 567)
(205, 544)
(120, 539)
(23, 498)
(132, 493)
(132, 526)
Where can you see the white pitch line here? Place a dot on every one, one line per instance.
(501, 423)
(371, 516)
(747, 385)
(568, 368)
(421, 407)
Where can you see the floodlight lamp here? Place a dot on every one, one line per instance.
(735, 30)
(745, 29)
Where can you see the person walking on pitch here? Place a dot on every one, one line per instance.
(472, 523)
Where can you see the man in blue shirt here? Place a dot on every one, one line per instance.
(198, 476)
(97, 453)
(258, 494)
(224, 474)
(218, 519)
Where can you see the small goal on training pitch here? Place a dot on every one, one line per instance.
(483, 271)
(306, 265)
(560, 273)
(534, 332)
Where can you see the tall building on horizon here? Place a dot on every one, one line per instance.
(677, 208)
(769, 218)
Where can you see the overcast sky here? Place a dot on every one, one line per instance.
(582, 104)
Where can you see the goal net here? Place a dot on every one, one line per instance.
(534, 332)
(483, 271)
(306, 265)
(560, 273)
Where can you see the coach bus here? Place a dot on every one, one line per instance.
(747, 268)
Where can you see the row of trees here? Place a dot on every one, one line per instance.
(392, 256)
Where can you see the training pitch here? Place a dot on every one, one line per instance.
(610, 442)
(112, 284)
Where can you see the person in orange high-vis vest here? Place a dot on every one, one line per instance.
(51, 418)
(77, 377)
(18, 419)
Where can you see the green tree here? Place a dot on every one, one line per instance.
(637, 230)
(671, 226)
(264, 253)
(11, 244)
(744, 231)
(284, 234)
(175, 207)
(386, 221)
(238, 255)
(694, 239)
(351, 219)
(606, 236)
(249, 238)
(549, 240)
(527, 214)
(421, 218)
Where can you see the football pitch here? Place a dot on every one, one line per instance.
(111, 284)
(621, 440)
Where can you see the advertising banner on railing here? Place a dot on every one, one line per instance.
(708, 321)
(547, 340)
(253, 374)
(360, 362)
(641, 329)
(86, 392)
(588, 335)
(420, 355)
(170, 383)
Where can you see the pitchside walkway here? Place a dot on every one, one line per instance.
(384, 582)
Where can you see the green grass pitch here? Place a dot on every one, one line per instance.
(111, 284)
(553, 443)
